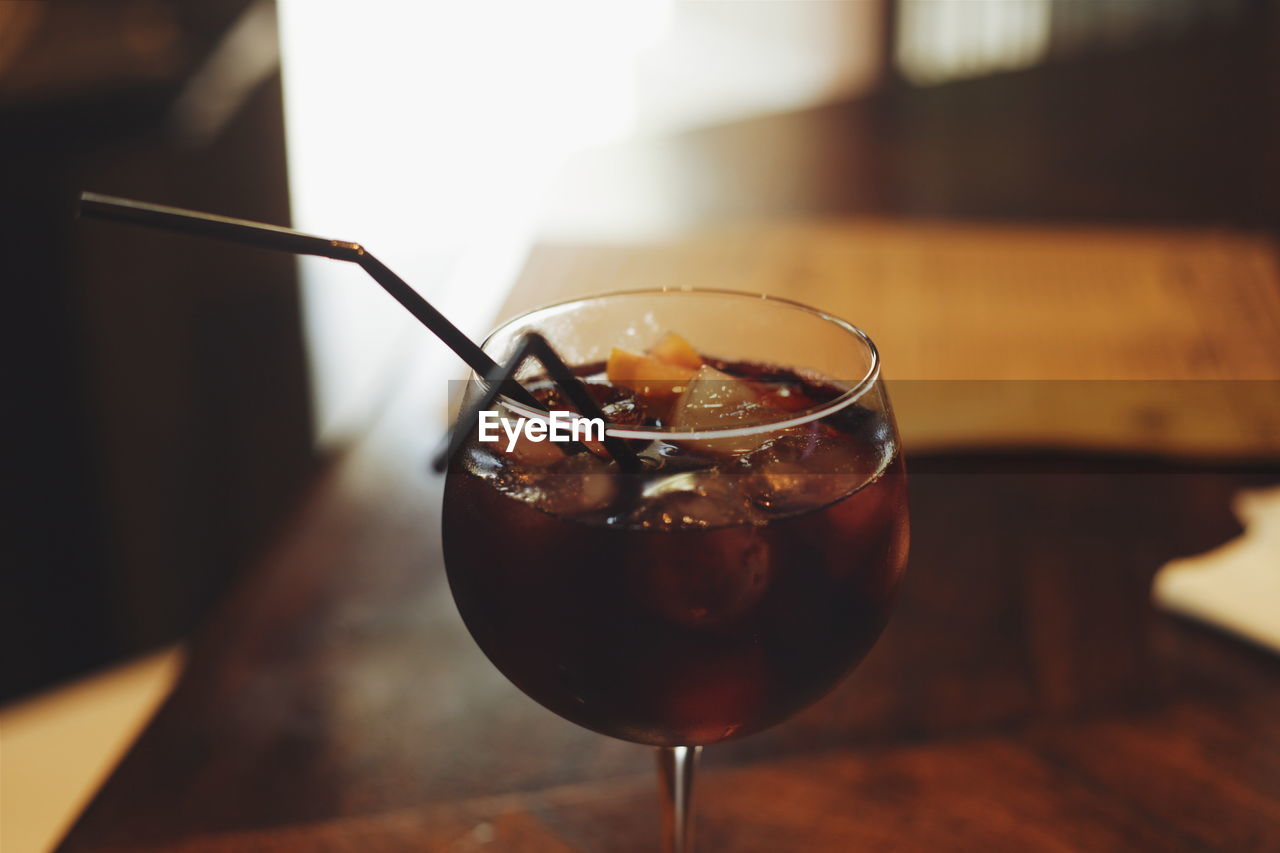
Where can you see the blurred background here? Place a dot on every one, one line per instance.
(171, 401)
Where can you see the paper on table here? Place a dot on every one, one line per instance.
(1235, 587)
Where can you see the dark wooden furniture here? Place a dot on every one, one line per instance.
(1026, 696)
(159, 385)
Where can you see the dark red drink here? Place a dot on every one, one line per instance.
(711, 596)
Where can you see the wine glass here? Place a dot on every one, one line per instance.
(733, 580)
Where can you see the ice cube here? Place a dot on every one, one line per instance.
(714, 399)
(672, 458)
(692, 499)
(581, 484)
(793, 445)
(628, 410)
(481, 461)
(709, 579)
(619, 404)
(525, 453)
(794, 473)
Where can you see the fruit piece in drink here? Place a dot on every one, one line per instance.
(674, 349)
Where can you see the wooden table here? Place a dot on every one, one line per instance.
(1026, 696)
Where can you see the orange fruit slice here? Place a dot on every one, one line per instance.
(654, 381)
(674, 349)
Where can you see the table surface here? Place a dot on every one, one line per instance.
(1025, 696)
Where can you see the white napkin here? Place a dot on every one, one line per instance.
(1236, 586)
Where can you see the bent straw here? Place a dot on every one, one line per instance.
(262, 235)
(533, 345)
(287, 240)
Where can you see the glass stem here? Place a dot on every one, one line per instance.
(676, 766)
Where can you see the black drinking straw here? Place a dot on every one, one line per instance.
(295, 242)
(533, 345)
(501, 378)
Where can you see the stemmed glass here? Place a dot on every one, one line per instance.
(736, 578)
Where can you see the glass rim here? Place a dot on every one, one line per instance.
(791, 419)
